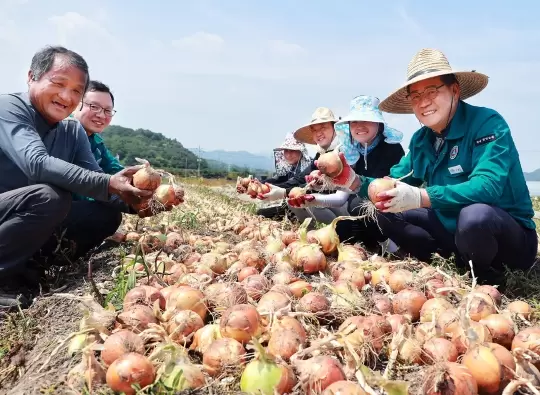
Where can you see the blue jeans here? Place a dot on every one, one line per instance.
(486, 235)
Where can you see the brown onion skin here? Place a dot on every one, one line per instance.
(319, 373)
(449, 378)
(120, 343)
(240, 322)
(501, 329)
(409, 302)
(222, 353)
(130, 368)
(145, 295)
(344, 387)
(438, 349)
(137, 318)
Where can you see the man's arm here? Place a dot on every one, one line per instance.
(21, 143)
(492, 157)
(110, 164)
(299, 180)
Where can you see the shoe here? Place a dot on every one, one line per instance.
(12, 302)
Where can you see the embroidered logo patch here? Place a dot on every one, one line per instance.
(484, 140)
(454, 151)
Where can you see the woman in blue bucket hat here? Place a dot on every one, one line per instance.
(371, 147)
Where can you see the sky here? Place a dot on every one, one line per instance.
(240, 75)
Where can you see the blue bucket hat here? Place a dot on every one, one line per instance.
(363, 108)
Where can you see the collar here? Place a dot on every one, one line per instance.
(96, 137)
(333, 145)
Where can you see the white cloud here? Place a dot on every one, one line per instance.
(285, 48)
(200, 41)
(72, 26)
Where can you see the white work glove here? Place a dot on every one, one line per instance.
(405, 197)
(276, 193)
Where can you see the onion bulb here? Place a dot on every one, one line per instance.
(409, 302)
(120, 343)
(330, 164)
(129, 369)
(449, 378)
(146, 178)
(485, 368)
(221, 354)
(240, 322)
(380, 185)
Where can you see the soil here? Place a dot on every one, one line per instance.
(32, 336)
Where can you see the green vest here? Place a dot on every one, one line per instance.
(477, 163)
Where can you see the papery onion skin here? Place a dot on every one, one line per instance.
(449, 378)
(240, 322)
(129, 369)
(223, 353)
(120, 343)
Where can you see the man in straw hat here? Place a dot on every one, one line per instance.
(461, 188)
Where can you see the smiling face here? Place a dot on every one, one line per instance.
(433, 102)
(292, 156)
(91, 120)
(323, 133)
(363, 131)
(58, 92)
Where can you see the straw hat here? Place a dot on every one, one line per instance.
(321, 115)
(428, 63)
(291, 143)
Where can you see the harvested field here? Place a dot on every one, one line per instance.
(386, 325)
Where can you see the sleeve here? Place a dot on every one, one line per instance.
(277, 180)
(21, 143)
(492, 157)
(111, 165)
(337, 199)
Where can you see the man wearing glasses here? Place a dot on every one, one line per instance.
(462, 188)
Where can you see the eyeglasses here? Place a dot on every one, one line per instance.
(97, 109)
(431, 93)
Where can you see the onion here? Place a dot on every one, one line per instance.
(400, 280)
(380, 275)
(192, 258)
(501, 329)
(318, 373)
(296, 192)
(330, 164)
(222, 296)
(272, 302)
(327, 237)
(144, 295)
(409, 351)
(396, 321)
(343, 387)
(216, 262)
(253, 258)
(146, 178)
(204, 337)
(151, 242)
(433, 308)
(132, 236)
(129, 369)
(310, 258)
(446, 318)
(460, 338)
(246, 272)
(290, 323)
(527, 339)
(432, 286)
(183, 324)
(379, 185)
(438, 349)
(137, 318)
(449, 378)
(481, 305)
(120, 343)
(186, 298)
(282, 289)
(240, 322)
(520, 307)
(429, 273)
(180, 376)
(313, 302)
(491, 291)
(288, 236)
(409, 302)
(165, 195)
(347, 252)
(221, 354)
(263, 376)
(300, 288)
(485, 368)
(256, 286)
(382, 303)
(354, 276)
(283, 278)
(273, 246)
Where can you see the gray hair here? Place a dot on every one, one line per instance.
(43, 60)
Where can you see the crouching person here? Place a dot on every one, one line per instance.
(320, 132)
(291, 159)
(371, 147)
(48, 160)
(467, 193)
